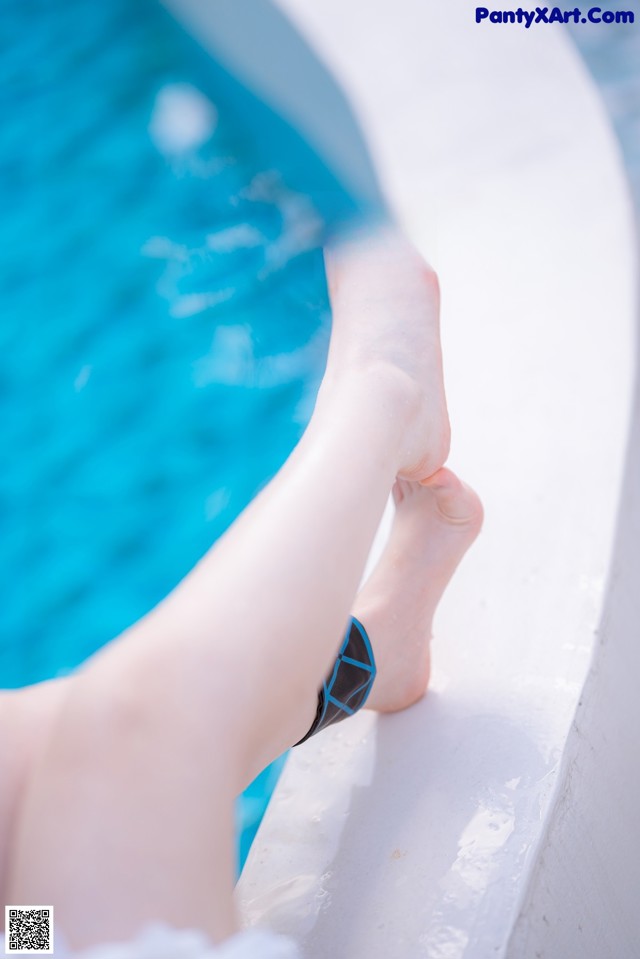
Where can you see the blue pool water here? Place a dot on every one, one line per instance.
(164, 319)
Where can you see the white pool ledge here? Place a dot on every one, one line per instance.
(421, 834)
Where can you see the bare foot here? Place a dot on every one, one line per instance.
(434, 526)
(386, 305)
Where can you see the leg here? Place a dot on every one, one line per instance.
(25, 715)
(433, 528)
(128, 813)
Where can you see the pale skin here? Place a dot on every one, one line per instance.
(119, 782)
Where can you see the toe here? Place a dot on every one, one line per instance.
(398, 491)
(456, 502)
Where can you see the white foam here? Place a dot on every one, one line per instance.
(183, 119)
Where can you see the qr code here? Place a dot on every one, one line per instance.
(28, 930)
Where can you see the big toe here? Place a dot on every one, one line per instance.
(455, 502)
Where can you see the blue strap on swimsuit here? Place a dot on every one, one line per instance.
(349, 683)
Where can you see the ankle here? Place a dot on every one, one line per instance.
(378, 389)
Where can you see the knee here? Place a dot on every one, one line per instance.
(93, 726)
(124, 726)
